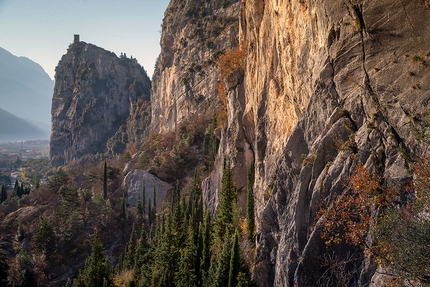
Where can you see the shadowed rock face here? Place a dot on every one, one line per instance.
(95, 94)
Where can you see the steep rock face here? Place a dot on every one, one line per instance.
(328, 85)
(185, 79)
(96, 95)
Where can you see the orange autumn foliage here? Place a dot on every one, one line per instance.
(231, 60)
(354, 212)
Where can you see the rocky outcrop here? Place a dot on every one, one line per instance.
(133, 185)
(185, 79)
(100, 103)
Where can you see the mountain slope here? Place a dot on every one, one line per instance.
(13, 128)
(25, 88)
(99, 105)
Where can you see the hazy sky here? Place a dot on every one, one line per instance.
(43, 29)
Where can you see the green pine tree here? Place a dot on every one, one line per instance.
(234, 261)
(130, 254)
(105, 181)
(206, 250)
(22, 273)
(44, 238)
(149, 212)
(250, 216)
(227, 209)
(97, 272)
(222, 266)
(122, 212)
(3, 195)
(143, 250)
(139, 206)
(143, 199)
(186, 274)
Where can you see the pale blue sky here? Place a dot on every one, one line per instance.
(43, 29)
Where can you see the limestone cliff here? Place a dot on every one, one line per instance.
(335, 83)
(100, 103)
(327, 85)
(185, 79)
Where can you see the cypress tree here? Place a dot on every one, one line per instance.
(206, 254)
(143, 198)
(3, 194)
(15, 188)
(130, 254)
(122, 212)
(105, 181)
(234, 261)
(18, 189)
(186, 274)
(142, 251)
(222, 268)
(153, 209)
(250, 217)
(149, 212)
(139, 206)
(97, 272)
(164, 257)
(155, 201)
(225, 217)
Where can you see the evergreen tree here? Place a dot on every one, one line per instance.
(22, 272)
(97, 272)
(139, 206)
(122, 212)
(36, 181)
(206, 254)
(186, 274)
(143, 204)
(130, 254)
(4, 266)
(164, 257)
(153, 208)
(18, 189)
(222, 267)
(234, 261)
(155, 202)
(15, 187)
(250, 217)
(149, 212)
(142, 251)
(226, 213)
(105, 181)
(44, 238)
(3, 195)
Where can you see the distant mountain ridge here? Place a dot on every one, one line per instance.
(25, 89)
(13, 128)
